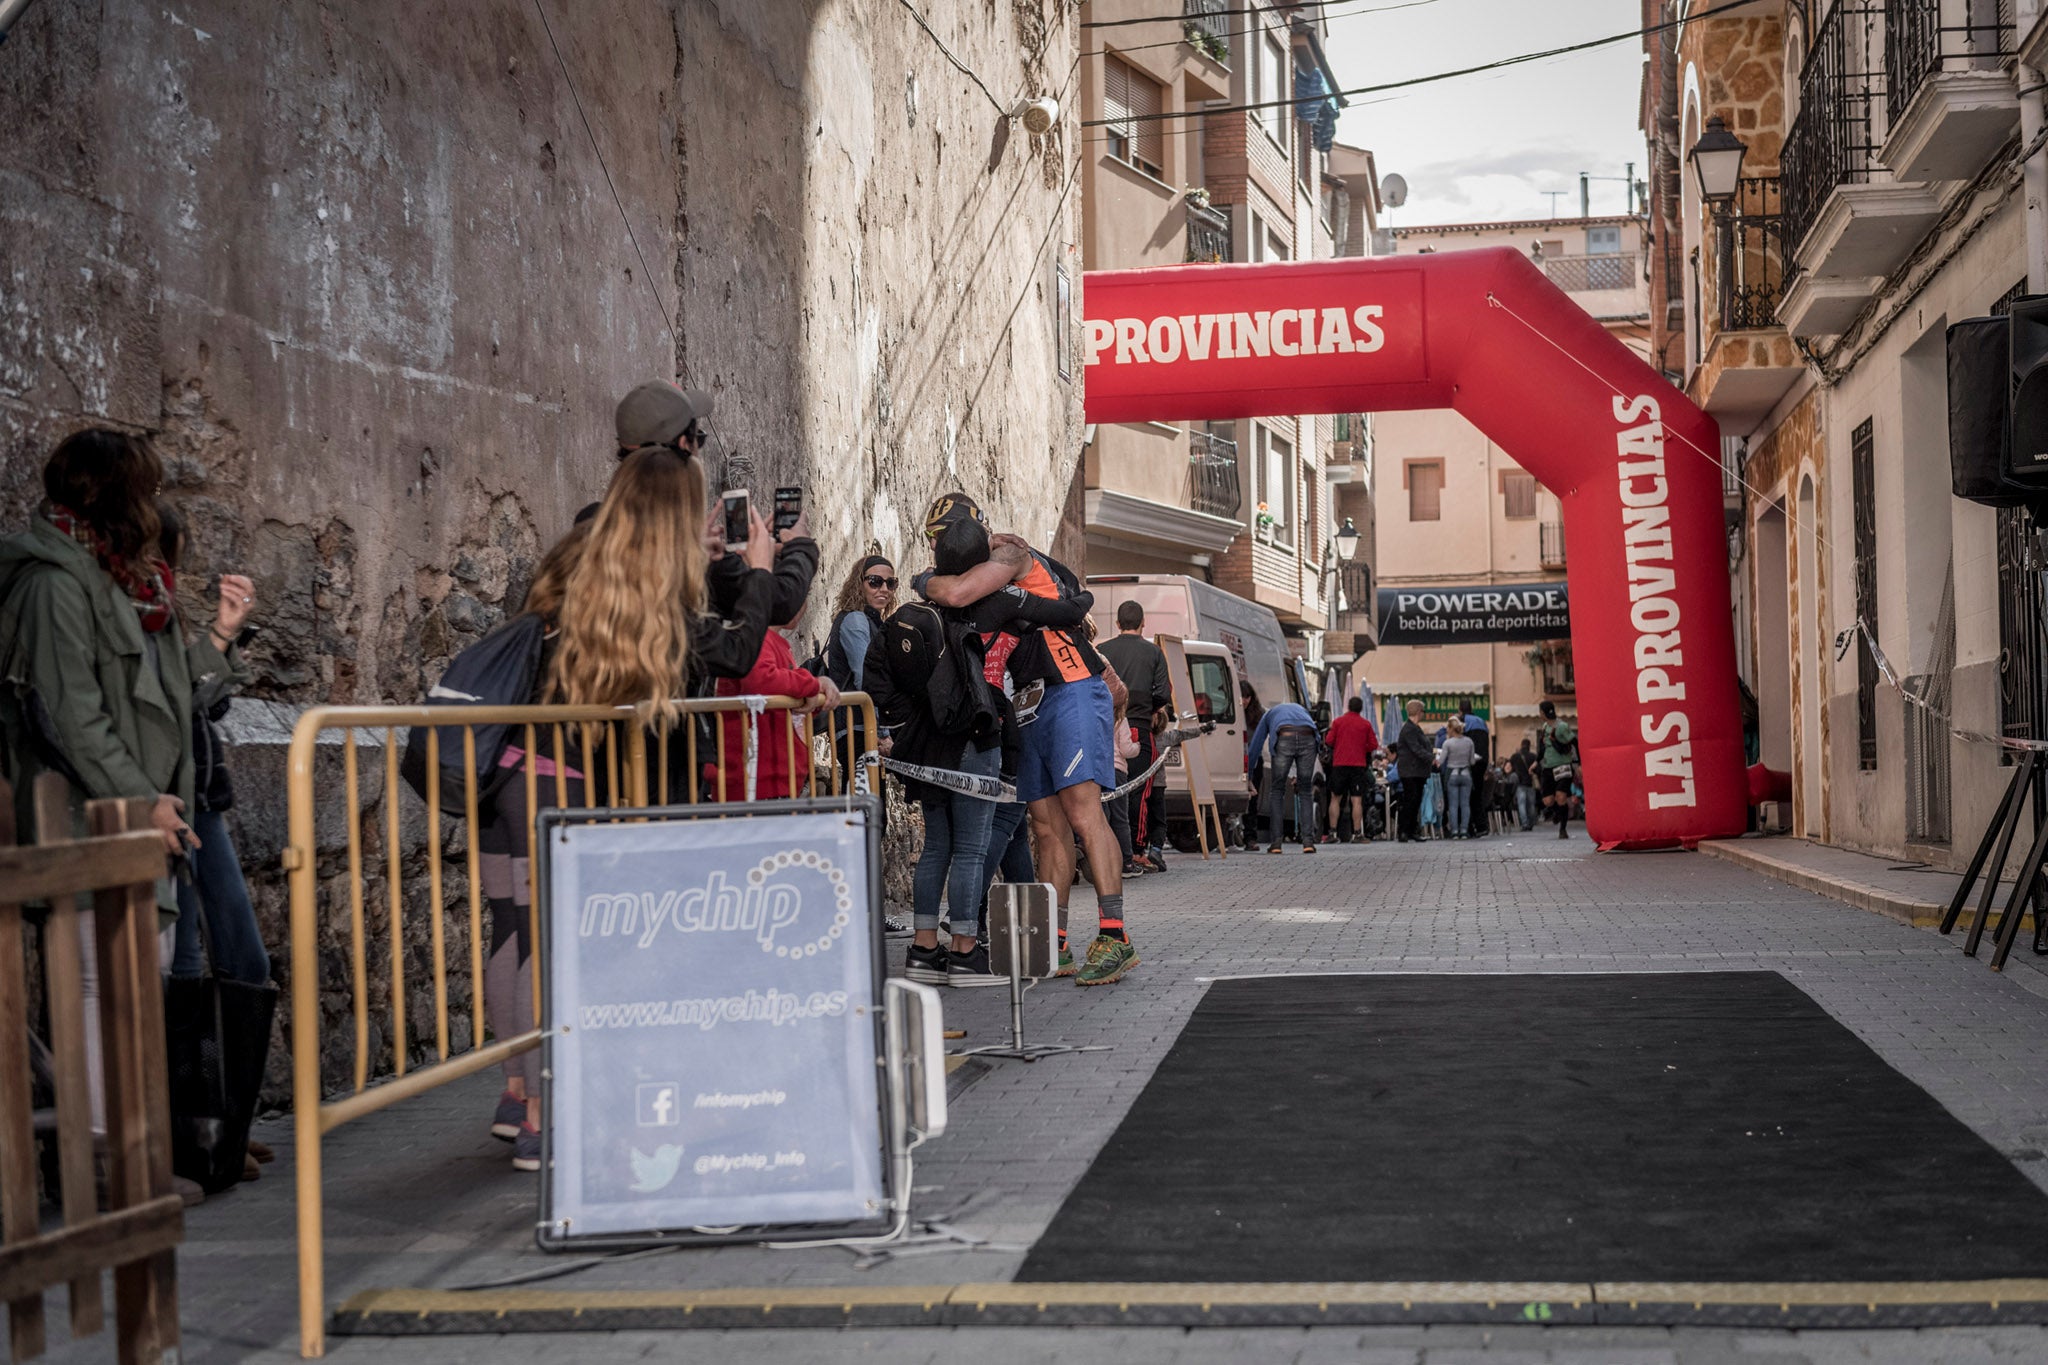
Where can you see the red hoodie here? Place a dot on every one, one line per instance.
(774, 674)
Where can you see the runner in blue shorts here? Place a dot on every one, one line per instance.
(1066, 724)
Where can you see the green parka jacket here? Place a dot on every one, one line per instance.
(78, 692)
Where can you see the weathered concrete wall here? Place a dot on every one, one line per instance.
(358, 270)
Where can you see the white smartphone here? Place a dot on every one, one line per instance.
(739, 518)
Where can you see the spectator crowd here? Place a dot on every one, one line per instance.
(1031, 750)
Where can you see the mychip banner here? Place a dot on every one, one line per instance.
(712, 987)
(1478, 613)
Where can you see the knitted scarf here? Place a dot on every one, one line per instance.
(150, 586)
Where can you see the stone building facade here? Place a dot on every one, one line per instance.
(373, 276)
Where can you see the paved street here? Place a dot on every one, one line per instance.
(420, 1196)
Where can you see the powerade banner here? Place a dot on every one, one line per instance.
(711, 1024)
(1473, 614)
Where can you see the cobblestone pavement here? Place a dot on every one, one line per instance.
(421, 1196)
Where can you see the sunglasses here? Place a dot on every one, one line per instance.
(875, 582)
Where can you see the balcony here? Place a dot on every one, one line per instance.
(1550, 544)
(1208, 27)
(1212, 475)
(1951, 103)
(1208, 235)
(1742, 375)
(1590, 274)
(1355, 613)
(1553, 661)
(1845, 218)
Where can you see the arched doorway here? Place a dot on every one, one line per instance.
(1635, 465)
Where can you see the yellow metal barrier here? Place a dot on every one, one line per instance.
(609, 742)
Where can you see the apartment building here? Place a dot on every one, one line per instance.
(1455, 511)
(1246, 505)
(1802, 297)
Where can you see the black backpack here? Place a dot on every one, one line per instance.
(502, 669)
(956, 690)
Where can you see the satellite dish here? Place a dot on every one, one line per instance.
(1393, 191)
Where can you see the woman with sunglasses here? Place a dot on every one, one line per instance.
(866, 600)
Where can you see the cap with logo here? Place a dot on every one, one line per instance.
(657, 413)
(947, 509)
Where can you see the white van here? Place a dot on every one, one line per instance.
(1231, 643)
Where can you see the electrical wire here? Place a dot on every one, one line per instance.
(660, 305)
(965, 69)
(1497, 65)
(1176, 42)
(1255, 9)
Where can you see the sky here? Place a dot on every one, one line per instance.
(1484, 148)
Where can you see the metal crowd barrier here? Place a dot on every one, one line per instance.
(612, 745)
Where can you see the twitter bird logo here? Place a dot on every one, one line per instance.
(651, 1173)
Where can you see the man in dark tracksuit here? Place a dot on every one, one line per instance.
(1414, 757)
(1142, 666)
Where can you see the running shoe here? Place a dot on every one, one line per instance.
(1276, 849)
(1067, 967)
(510, 1114)
(893, 926)
(526, 1149)
(1133, 868)
(1308, 848)
(972, 969)
(1108, 960)
(929, 965)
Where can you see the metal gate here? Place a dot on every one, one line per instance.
(2021, 602)
(1927, 737)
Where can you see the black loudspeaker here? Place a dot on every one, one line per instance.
(2027, 447)
(1979, 411)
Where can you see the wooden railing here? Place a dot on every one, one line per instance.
(137, 1234)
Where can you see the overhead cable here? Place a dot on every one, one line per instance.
(965, 69)
(1503, 62)
(660, 304)
(1228, 13)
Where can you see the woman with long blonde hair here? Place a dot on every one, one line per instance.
(632, 620)
(624, 599)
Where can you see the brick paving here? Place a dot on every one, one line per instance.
(420, 1196)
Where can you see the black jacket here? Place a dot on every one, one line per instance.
(1414, 755)
(796, 564)
(898, 677)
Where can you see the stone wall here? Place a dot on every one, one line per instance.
(362, 274)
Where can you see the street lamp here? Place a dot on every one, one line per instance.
(1346, 541)
(1717, 162)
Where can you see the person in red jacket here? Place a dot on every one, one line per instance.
(1353, 741)
(774, 674)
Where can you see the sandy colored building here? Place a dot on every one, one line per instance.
(1452, 508)
(1880, 201)
(1245, 505)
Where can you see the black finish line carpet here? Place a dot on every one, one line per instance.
(1674, 1127)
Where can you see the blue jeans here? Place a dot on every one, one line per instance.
(1296, 755)
(218, 891)
(956, 834)
(1459, 785)
(1525, 806)
(1009, 849)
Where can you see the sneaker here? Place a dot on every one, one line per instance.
(928, 965)
(1276, 849)
(1067, 967)
(1108, 960)
(1308, 848)
(1133, 868)
(1155, 859)
(526, 1149)
(972, 969)
(511, 1113)
(893, 926)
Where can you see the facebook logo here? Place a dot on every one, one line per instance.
(657, 1105)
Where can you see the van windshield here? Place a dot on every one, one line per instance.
(1213, 701)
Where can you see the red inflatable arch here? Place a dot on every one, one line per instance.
(1483, 332)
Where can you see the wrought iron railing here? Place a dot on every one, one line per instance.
(1213, 485)
(1753, 262)
(1834, 139)
(1550, 544)
(1918, 44)
(1583, 274)
(1208, 235)
(1354, 581)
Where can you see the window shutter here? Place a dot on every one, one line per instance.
(1128, 97)
(1116, 104)
(1425, 491)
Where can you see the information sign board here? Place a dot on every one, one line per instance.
(712, 987)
